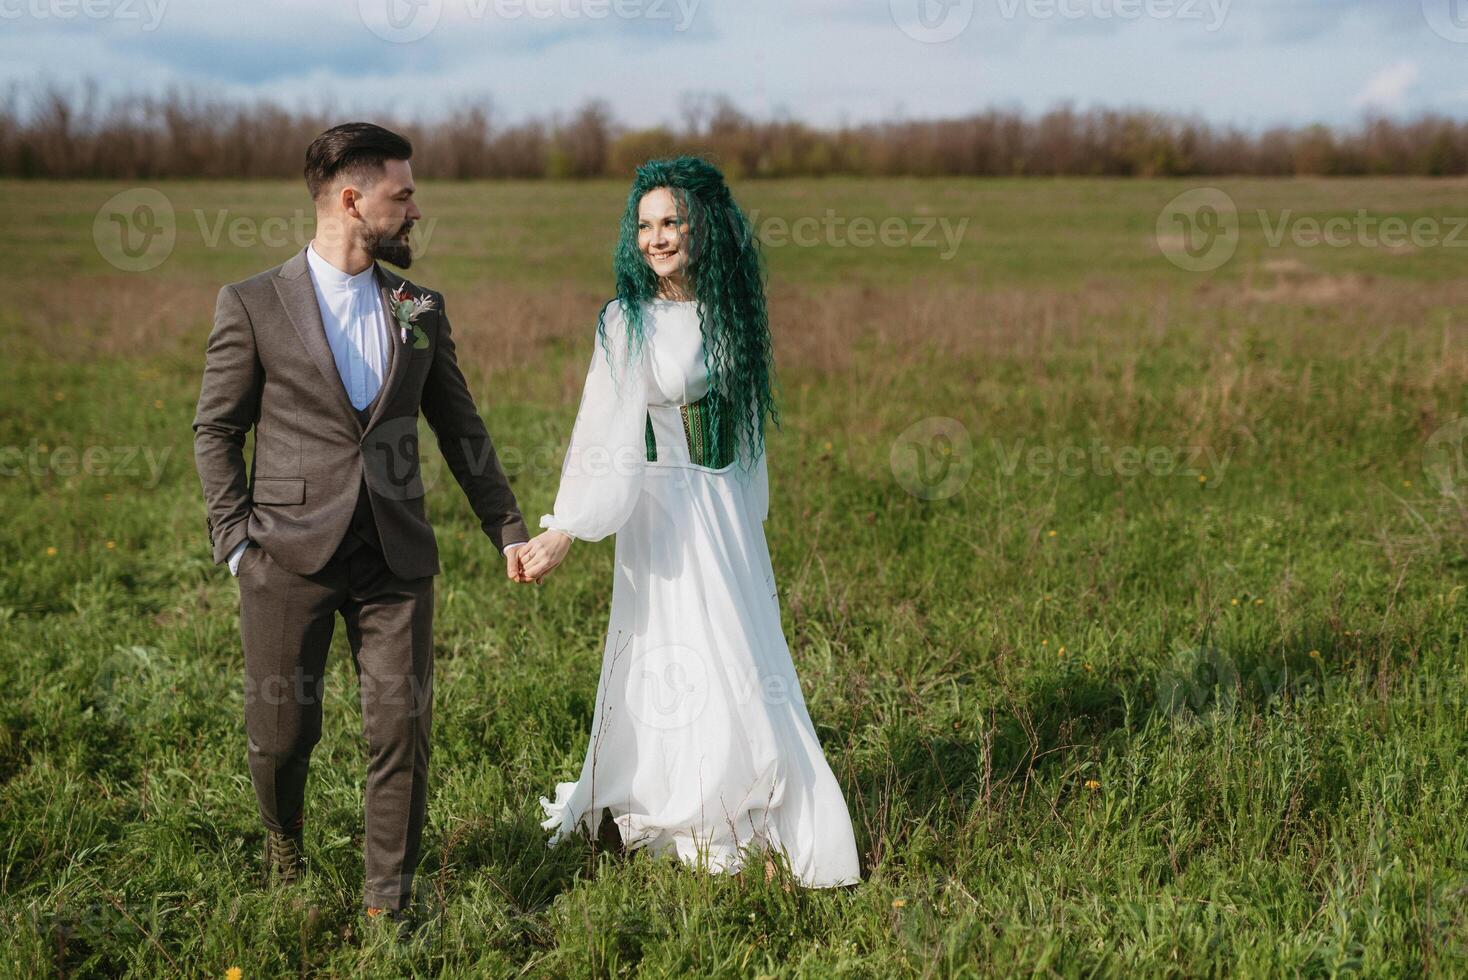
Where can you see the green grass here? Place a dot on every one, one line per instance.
(1090, 720)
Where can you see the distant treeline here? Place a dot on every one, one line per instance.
(51, 132)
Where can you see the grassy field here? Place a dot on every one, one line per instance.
(1127, 600)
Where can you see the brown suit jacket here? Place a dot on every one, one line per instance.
(269, 366)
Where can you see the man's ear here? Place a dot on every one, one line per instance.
(348, 196)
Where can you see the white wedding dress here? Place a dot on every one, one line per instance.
(700, 743)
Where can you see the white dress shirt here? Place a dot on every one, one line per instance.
(356, 325)
(358, 333)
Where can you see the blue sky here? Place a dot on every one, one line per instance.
(1246, 62)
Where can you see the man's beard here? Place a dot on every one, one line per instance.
(394, 250)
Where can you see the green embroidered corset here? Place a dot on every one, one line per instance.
(698, 425)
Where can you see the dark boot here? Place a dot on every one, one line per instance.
(285, 857)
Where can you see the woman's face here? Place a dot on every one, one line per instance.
(661, 234)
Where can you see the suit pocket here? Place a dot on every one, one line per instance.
(245, 557)
(275, 490)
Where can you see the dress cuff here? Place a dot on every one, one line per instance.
(549, 522)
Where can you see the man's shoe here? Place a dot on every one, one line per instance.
(285, 857)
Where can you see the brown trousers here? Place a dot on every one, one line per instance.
(286, 625)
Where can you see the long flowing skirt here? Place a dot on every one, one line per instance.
(701, 743)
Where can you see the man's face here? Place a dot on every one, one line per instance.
(387, 214)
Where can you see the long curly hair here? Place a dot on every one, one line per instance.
(726, 273)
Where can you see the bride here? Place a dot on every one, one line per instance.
(700, 740)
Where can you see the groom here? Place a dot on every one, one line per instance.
(330, 357)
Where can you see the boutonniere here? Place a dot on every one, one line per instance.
(406, 308)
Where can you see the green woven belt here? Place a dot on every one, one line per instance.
(698, 425)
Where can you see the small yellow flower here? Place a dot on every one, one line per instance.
(1087, 667)
(1202, 478)
(1234, 601)
(1044, 643)
(1052, 533)
(51, 550)
(828, 447)
(1060, 652)
(111, 545)
(233, 973)
(1093, 784)
(898, 903)
(1315, 654)
(157, 403)
(1258, 602)
(1406, 483)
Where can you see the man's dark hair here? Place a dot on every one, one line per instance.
(351, 148)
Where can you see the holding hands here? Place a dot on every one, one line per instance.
(537, 558)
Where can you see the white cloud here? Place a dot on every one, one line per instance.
(826, 61)
(1388, 89)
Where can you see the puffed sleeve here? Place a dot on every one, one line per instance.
(602, 475)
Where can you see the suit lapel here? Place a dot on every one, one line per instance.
(298, 296)
(400, 350)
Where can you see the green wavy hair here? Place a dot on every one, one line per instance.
(727, 278)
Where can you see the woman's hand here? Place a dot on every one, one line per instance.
(541, 556)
